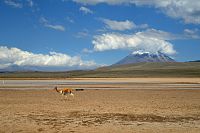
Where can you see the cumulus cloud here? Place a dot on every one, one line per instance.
(184, 9)
(139, 41)
(85, 10)
(46, 23)
(15, 56)
(187, 10)
(162, 35)
(122, 25)
(13, 3)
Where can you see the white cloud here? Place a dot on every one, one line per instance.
(139, 41)
(189, 31)
(30, 3)
(46, 23)
(13, 3)
(192, 33)
(187, 10)
(142, 26)
(85, 10)
(119, 25)
(162, 35)
(94, 2)
(55, 27)
(122, 25)
(85, 50)
(69, 19)
(15, 56)
(187, 34)
(20, 3)
(82, 34)
(43, 20)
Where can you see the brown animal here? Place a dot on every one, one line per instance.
(64, 91)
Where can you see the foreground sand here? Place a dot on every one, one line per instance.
(109, 111)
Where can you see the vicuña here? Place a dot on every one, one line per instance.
(64, 91)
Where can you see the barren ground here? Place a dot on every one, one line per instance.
(156, 108)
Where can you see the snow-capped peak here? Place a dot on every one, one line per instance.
(143, 56)
(140, 52)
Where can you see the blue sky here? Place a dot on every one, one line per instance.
(91, 33)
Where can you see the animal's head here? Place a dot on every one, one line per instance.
(55, 88)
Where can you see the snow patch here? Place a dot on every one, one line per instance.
(140, 52)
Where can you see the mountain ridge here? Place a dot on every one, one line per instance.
(148, 69)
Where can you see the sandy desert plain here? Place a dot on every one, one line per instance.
(109, 105)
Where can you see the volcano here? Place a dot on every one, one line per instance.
(140, 56)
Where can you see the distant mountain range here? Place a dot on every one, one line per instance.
(134, 59)
(148, 69)
(14, 68)
(139, 57)
(18, 68)
(195, 61)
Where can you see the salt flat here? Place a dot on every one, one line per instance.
(103, 83)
